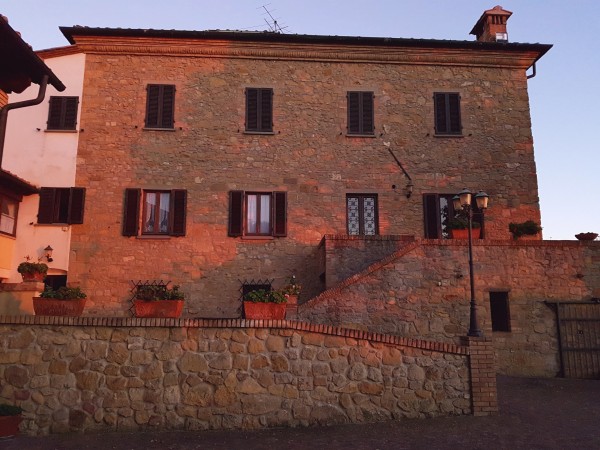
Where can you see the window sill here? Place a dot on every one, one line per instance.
(257, 238)
(60, 131)
(159, 237)
(53, 224)
(449, 135)
(158, 129)
(266, 133)
(8, 235)
(352, 135)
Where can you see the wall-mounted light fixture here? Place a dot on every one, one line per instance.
(48, 253)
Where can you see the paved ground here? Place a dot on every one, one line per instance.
(534, 414)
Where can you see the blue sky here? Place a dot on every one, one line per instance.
(564, 95)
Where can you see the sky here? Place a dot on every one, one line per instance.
(564, 95)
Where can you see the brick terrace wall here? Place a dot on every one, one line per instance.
(423, 292)
(94, 374)
(308, 155)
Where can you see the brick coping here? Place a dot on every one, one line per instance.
(422, 344)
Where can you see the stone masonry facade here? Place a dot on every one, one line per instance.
(94, 374)
(309, 154)
(422, 290)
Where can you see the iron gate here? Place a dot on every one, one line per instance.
(579, 338)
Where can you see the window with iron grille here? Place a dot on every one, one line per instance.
(259, 110)
(160, 106)
(447, 113)
(361, 113)
(362, 214)
(500, 311)
(155, 212)
(62, 113)
(438, 211)
(257, 213)
(8, 215)
(61, 205)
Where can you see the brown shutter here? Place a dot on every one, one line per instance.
(236, 211)
(368, 111)
(430, 216)
(454, 114)
(178, 208)
(439, 100)
(46, 208)
(280, 214)
(353, 112)
(152, 105)
(168, 106)
(76, 205)
(266, 110)
(70, 113)
(54, 113)
(251, 109)
(131, 212)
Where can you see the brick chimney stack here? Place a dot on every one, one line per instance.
(491, 26)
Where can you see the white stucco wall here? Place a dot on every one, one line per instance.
(43, 158)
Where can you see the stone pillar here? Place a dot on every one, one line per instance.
(16, 299)
(484, 395)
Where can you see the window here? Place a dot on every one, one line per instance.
(500, 311)
(62, 113)
(447, 113)
(257, 213)
(259, 110)
(161, 212)
(61, 205)
(360, 113)
(160, 106)
(8, 215)
(437, 213)
(362, 214)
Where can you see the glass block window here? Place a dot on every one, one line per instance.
(362, 214)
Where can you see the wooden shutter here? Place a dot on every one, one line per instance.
(353, 112)
(152, 105)
(430, 216)
(178, 212)
(236, 213)
(168, 106)
(252, 109)
(46, 208)
(454, 125)
(54, 113)
(279, 213)
(70, 112)
(266, 110)
(131, 212)
(440, 113)
(76, 205)
(368, 119)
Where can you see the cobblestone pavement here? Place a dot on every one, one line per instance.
(534, 414)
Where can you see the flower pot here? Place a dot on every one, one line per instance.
(56, 307)
(34, 276)
(158, 308)
(9, 425)
(257, 310)
(464, 233)
(586, 236)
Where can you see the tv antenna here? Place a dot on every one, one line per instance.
(273, 24)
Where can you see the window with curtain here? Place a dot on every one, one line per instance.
(8, 215)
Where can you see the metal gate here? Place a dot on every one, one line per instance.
(579, 338)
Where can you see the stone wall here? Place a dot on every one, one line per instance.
(94, 374)
(309, 155)
(423, 291)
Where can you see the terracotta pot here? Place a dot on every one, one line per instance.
(158, 308)
(35, 276)
(9, 425)
(264, 310)
(55, 307)
(464, 234)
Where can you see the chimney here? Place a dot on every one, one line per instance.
(491, 26)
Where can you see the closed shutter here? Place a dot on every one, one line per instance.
(353, 112)
(440, 113)
(178, 207)
(46, 208)
(236, 211)
(360, 113)
(447, 113)
(430, 216)
(54, 113)
(152, 105)
(367, 113)
(131, 212)
(70, 112)
(76, 205)
(266, 110)
(454, 114)
(280, 214)
(168, 106)
(251, 109)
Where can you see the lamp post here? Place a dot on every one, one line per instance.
(463, 201)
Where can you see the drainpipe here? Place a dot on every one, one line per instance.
(4, 112)
(533, 74)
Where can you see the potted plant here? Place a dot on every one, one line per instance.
(527, 228)
(263, 304)
(32, 271)
(10, 418)
(589, 236)
(156, 300)
(65, 301)
(459, 228)
(291, 292)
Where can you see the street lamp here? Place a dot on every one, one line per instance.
(462, 201)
